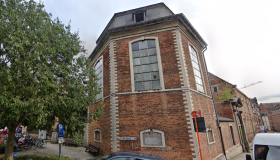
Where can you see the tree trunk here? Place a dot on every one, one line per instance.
(10, 142)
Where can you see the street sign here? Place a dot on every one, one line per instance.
(127, 138)
(60, 140)
(60, 130)
(200, 123)
(19, 130)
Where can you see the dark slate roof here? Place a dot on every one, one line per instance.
(180, 17)
(225, 119)
(271, 106)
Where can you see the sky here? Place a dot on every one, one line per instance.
(242, 35)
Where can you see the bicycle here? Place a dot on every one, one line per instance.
(40, 143)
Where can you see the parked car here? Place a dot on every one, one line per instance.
(266, 146)
(125, 155)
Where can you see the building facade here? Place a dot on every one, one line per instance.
(270, 113)
(153, 75)
(239, 108)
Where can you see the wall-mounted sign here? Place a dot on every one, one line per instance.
(127, 138)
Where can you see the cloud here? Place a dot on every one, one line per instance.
(269, 97)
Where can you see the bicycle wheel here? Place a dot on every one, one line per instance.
(44, 143)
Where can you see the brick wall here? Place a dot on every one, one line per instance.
(160, 111)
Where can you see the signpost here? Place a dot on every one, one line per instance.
(60, 137)
(196, 114)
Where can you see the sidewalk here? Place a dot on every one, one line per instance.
(77, 153)
(241, 156)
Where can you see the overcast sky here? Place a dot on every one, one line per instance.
(242, 35)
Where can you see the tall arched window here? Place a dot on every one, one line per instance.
(145, 65)
(196, 69)
(98, 67)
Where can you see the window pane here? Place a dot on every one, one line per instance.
(138, 86)
(138, 77)
(154, 67)
(145, 60)
(146, 76)
(198, 80)
(137, 69)
(143, 53)
(153, 59)
(195, 65)
(135, 54)
(97, 135)
(152, 51)
(151, 43)
(197, 73)
(142, 45)
(135, 46)
(146, 68)
(156, 84)
(146, 85)
(136, 61)
(155, 75)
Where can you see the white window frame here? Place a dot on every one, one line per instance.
(210, 129)
(154, 130)
(158, 59)
(95, 135)
(199, 65)
(100, 59)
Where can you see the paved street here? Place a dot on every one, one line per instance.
(77, 153)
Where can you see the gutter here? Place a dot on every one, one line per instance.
(218, 121)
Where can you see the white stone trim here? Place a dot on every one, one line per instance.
(114, 99)
(95, 135)
(154, 130)
(187, 98)
(158, 59)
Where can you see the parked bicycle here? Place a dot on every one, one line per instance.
(40, 143)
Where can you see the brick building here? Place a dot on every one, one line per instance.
(270, 113)
(243, 125)
(153, 75)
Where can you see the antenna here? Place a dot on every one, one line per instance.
(251, 84)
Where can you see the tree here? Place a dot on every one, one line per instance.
(226, 94)
(44, 72)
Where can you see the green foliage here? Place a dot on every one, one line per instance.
(78, 138)
(226, 94)
(37, 157)
(44, 72)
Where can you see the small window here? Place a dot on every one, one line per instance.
(232, 135)
(152, 138)
(139, 17)
(210, 136)
(215, 89)
(97, 135)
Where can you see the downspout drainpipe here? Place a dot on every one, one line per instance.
(218, 121)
